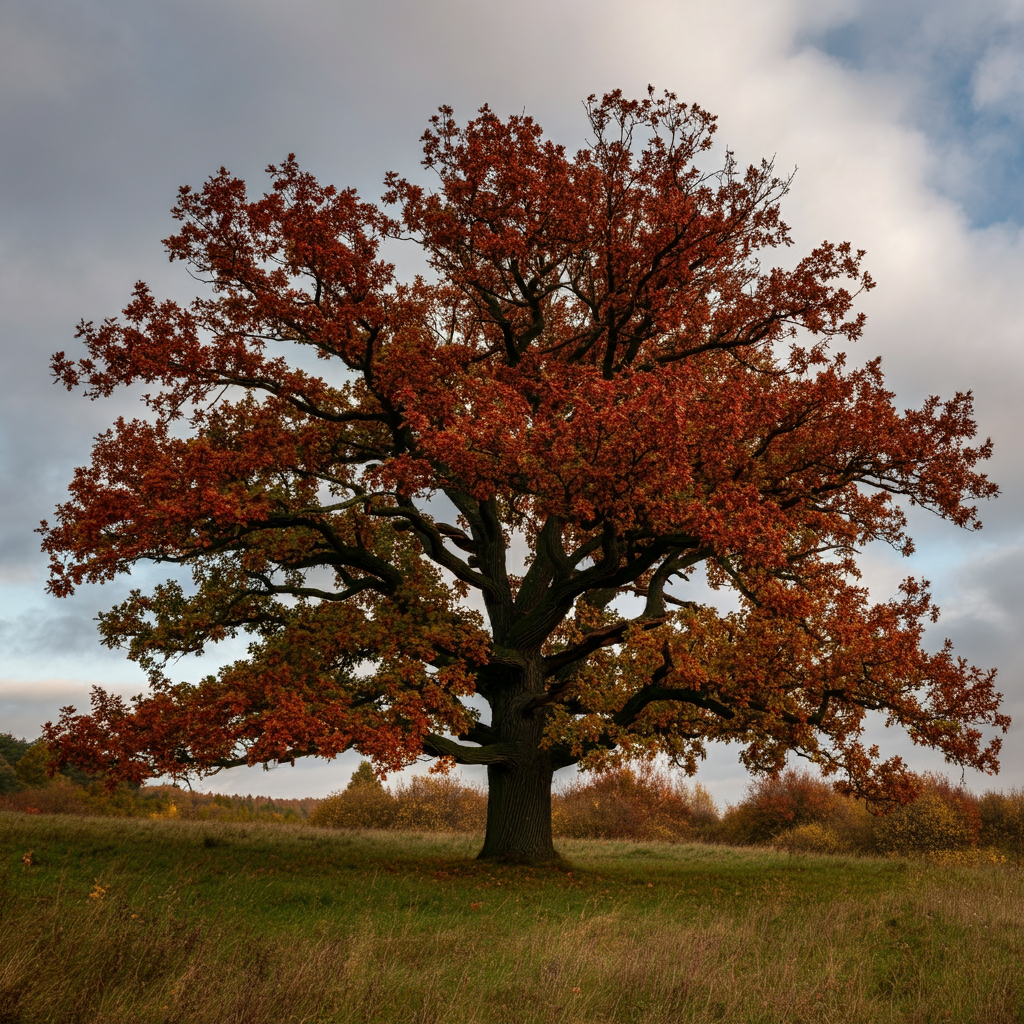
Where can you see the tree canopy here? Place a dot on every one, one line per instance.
(500, 478)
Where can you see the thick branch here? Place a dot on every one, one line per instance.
(599, 638)
(649, 694)
(493, 753)
(433, 545)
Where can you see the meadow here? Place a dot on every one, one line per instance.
(117, 920)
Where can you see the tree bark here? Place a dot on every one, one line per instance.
(519, 787)
(519, 811)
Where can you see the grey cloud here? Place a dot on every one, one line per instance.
(25, 707)
(32, 634)
(990, 599)
(1000, 577)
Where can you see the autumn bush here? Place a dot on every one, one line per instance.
(814, 837)
(1002, 822)
(944, 818)
(639, 804)
(57, 796)
(797, 812)
(434, 803)
(777, 807)
(359, 809)
(61, 795)
(440, 804)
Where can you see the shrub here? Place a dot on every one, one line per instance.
(619, 804)
(813, 837)
(364, 803)
(58, 796)
(704, 813)
(8, 779)
(778, 804)
(641, 804)
(31, 766)
(12, 749)
(440, 803)
(943, 818)
(1002, 822)
(423, 804)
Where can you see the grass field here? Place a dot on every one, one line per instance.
(127, 920)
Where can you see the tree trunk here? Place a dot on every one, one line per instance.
(519, 789)
(519, 811)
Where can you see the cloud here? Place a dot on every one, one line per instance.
(50, 53)
(30, 634)
(26, 706)
(992, 589)
(998, 80)
(955, 68)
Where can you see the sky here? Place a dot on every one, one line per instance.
(903, 119)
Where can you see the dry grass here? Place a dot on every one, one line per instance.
(162, 921)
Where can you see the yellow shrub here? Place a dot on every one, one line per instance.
(929, 825)
(361, 807)
(171, 811)
(814, 837)
(439, 804)
(432, 804)
(1002, 821)
(641, 804)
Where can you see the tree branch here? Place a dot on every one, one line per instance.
(493, 753)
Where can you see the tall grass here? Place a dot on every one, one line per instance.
(113, 921)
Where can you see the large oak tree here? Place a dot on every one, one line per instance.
(501, 478)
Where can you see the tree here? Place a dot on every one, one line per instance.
(499, 479)
(30, 768)
(9, 781)
(364, 777)
(11, 748)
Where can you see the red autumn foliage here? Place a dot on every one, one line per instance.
(639, 805)
(776, 804)
(502, 478)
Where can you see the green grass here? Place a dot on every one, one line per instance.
(202, 922)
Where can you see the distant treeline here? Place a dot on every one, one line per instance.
(25, 786)
(794, 811)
